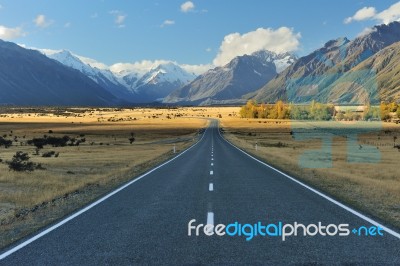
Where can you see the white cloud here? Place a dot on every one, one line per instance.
(366, 31)
(208, 49)
(119, 18)
(42, 22)
(43, 51)
(390, 14)
(280, 40)
(362, 14)
(369, 13)
(141, 67)
(167, 22)
(197, 69)
(10, 33)
(187, 6)
(94, 15)
(67, 25)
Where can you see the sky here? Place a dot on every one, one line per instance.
(197, 34)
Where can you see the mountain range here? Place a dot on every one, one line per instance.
(131, 86)
(342, 71)
(27, 77)
(229, 83)
(359, 71)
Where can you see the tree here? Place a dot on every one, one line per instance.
(398, 112)
(281, 110)
(392, 107)
(249, 110)
(385, 112)
(371, 112)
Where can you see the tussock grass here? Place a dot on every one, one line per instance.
(373, 188)
(80, 174)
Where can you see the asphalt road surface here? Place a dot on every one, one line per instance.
(213, 182)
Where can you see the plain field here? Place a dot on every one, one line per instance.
(371, 186)
(29, 200)
(82, 173)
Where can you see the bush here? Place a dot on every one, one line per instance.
(50, 140)
(48, 154)
(5, 142)
(20, 163)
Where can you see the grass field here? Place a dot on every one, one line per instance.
(29, 200)
(352, 177)
(80, 174)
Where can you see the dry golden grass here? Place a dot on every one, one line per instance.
(372, 187)
(82, 173)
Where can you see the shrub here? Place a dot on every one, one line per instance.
(50, 140)
(5, 142)
(48, 154)
(20, 163)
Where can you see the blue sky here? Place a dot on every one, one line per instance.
(188, 32)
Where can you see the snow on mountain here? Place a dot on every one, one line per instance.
(161, 81)
(103, 77)
(128, 84)
(67, 58)
(168, 72)
(31, 78)
(129, 80)
(281, 61)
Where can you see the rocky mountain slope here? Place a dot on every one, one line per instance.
(27, 77)
(313, 77)
(227, 84)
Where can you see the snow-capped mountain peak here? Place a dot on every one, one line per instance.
(128, 84)
(167, 72)
(281, 61)
(67, 58)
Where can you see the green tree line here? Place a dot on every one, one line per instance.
(281, 110)
(316, 111)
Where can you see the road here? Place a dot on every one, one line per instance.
(147, 221)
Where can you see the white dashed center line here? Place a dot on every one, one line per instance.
(211, 187)
(211, 172)
(210, 218)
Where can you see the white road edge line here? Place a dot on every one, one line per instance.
(356, 213)
(69, 218)
(211, 187)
